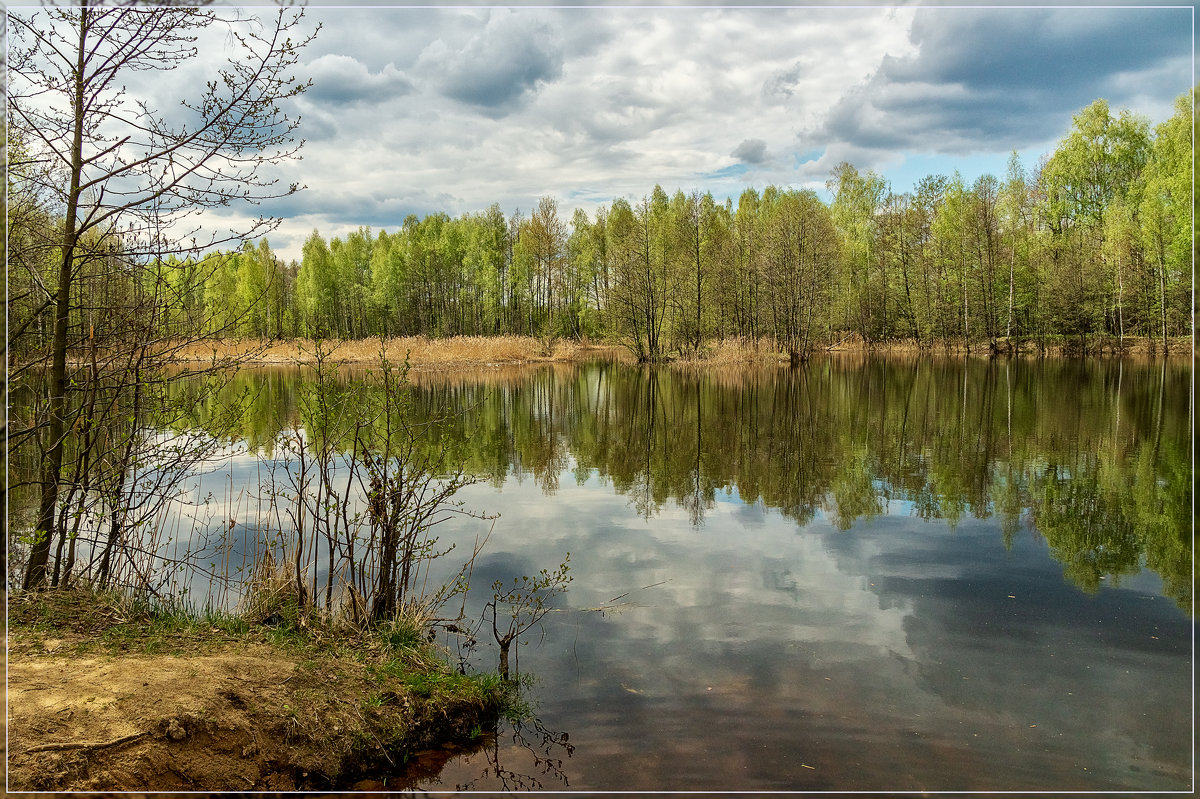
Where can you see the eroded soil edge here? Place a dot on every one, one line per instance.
(240, 720)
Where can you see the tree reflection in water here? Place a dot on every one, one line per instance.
(1093, 456)
(529, 746)
(1085, 462)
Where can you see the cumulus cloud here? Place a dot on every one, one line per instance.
(341, 80)
(996, 78)
(420, 109)
(751, 151)
(498, 65)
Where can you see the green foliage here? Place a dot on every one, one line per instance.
(403, 634)
(856, 202)
(1100, 160)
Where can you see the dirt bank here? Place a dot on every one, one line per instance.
(90, 709)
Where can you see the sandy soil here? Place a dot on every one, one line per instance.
(161, 723)
(240, 719)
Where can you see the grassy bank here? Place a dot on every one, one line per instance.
(109, 694)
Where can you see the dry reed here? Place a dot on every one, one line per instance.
(460, 351)
(272, 593)
(421, 351)
(740, 350)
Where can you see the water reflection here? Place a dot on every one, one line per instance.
(525, 756)
(1091, 455)
(896, 655)
(862, 575)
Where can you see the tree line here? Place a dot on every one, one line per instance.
(1093, 244)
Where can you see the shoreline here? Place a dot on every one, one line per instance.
(486, 352)
(425, 353)
(107, 696)
(420, 351)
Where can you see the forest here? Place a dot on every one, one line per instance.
(1087, 248)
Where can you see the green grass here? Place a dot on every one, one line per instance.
(82, 621)
(427, 684)
(396, 652)
(402, 634)
(229, 623)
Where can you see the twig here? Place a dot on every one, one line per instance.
(59, 747)
(832, 347)
(643, 588)
(256, 682)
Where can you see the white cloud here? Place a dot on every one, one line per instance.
(340, 80)
(497, 65)
(416, 110)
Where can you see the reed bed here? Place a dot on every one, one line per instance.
(424, 352)
(421, 351)
(737, 350)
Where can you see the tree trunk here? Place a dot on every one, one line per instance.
(1162, 299)
(1120, 307)
(504, 645)
(1012, 264)
(35, 571)
(698, 279)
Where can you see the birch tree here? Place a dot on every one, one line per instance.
(126, 177)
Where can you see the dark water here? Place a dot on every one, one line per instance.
(864, 575)
(860, 575)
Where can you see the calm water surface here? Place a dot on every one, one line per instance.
(859, 574)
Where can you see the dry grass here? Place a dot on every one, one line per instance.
(733, 351)
(421, 351)
(739, 350)
(443, 351)
(463, 351)
(272, 594)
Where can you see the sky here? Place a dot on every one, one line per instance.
(421, 110)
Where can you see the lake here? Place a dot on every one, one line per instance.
(859, 575)
(862, 574)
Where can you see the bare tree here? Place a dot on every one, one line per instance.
(131, 182)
